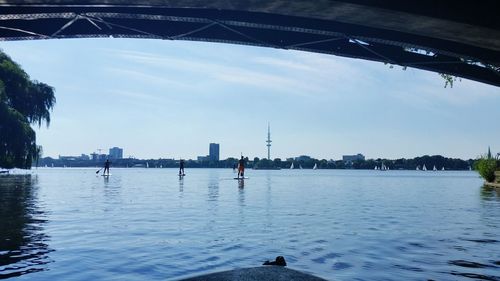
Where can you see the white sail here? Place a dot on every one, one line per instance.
(291, 166)
(442, 169)
(418, 168)
(315, 166)
(434, 168)
(147, 165)
(424, 168)
(300, 166)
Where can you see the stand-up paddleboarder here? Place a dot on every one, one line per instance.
(241, 167)
(106, 167)
(181, 168)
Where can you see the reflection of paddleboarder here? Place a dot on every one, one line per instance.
(106, 167)
(181, 168)
(241, 167)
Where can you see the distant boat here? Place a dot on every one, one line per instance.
(383, 167)
(442, 169)
(147, 165)
(418, 168)
(300, 166)
(315, 166)
(424, 168)
(291, 166)
(376, 168)
(434, 168)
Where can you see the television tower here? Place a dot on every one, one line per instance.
(268, 141)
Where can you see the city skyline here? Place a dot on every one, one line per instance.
(169, 99)
(211, 157)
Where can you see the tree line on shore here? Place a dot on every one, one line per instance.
(438, 161)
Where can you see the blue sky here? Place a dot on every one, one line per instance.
(170, 99)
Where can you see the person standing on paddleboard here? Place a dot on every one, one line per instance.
(106, 167)
(241, 167)
(181, 168)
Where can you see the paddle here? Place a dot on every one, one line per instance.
(99, 170)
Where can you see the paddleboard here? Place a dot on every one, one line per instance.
(106, 175)
(241, 178)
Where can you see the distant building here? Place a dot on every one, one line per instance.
(303, 158)
(74, 158)
(352, 158)
(84, 157)
(202, 158)
(115, 153)
(98, 157)
(213, 150)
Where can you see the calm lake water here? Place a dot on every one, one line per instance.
(147, 224)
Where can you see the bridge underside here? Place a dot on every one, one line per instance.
(463, 40)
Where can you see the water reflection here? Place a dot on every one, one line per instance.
(181, 185)
(490, 193)
(241, 183)
(23, 245)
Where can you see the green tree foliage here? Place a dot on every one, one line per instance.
(23, 102)
(486, 168)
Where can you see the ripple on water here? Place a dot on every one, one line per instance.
(341, 265)
(476, 276)
(409, 268)
(325, 258)
(469, 264)
(485, 241)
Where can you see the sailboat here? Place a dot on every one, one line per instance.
(376, 168)
(442, 169)
(300, 166)
(424, 168)
(315, 166)
(147, 165)
(418, 168)
(291, 166)
(434, 168)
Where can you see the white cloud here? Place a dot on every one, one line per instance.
(278, 83)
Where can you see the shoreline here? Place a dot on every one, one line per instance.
(492, 184)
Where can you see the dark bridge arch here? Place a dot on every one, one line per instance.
(461, 39)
